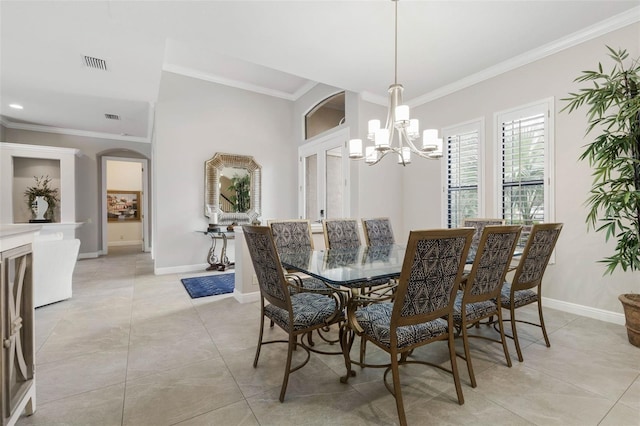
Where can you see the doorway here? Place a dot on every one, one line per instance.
(125, 204)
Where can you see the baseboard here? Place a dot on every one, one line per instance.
(123, 243)
(585, 311)
(89, 255)
(246, 297)
(180, 269)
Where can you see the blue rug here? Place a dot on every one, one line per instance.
(209, 285)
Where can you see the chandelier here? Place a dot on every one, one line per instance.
(400, 132)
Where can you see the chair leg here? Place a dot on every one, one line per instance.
(397, 392)
(503, 338)
(363, 349)
(467, 354)
(454, 366)
(514, 333)
(544, 329)
(255, 360)
(285, 381)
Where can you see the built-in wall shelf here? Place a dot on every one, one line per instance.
(19, 163)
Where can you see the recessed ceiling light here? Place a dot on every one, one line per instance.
(15, 106)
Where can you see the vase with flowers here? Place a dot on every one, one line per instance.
(42, 199)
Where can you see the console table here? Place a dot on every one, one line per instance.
(219, 263)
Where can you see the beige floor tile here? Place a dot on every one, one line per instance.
(476, 410)
(101, 407)
(152, 353)
(173, 396)
(631, 397)
(236, 414)
(598, 371)
(621, 415)
(541, 398)
(345, 409)
(72, 376)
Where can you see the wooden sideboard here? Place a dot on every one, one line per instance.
(17, 360)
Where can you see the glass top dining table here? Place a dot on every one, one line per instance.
(352, 267)
(347, 267)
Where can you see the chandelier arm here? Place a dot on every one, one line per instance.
(415, 150)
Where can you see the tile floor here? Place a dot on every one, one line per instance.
(132, 348)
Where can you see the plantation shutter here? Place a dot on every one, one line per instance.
(523, 170)
(462, 177)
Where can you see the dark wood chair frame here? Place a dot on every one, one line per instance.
(487, 291)
(528, 275)
(286, 285)
(399, 356)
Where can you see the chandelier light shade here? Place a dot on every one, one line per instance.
(400, 133)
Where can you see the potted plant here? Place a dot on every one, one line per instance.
(613, 113)
(42, 191)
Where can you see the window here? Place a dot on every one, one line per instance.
(525, 157)
(326, 115)
(462, 174)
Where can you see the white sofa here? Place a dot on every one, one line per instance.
(54, 259)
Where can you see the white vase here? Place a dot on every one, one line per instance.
(39, 208)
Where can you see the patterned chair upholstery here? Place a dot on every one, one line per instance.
(477, 300)
(528, 275)
(294, 235)
(422, 309)
(478, 225)
(297, 313)
(341, 233)
(291, 235)
(378, 232)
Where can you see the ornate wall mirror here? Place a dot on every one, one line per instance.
(232, 187)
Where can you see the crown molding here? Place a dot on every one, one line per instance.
(603, 27)
(72, 132)
(190, 72)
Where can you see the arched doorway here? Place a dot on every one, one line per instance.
(125, 201)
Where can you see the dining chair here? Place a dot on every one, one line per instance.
(296, 312)
(480, 288)
(478, 224)
(344, 234)
(341, 233)
(421, 311)
(528, 275)
(294, 235)
(291, 234)
(378, 232)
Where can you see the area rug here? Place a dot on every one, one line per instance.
(209, 285)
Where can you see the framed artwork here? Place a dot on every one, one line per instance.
(123, 206)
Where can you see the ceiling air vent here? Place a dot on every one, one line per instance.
(96, 63)
(112, 116)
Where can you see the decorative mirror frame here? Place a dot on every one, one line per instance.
(212, 172)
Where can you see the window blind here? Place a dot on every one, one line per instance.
(462, 177)
(523, 164)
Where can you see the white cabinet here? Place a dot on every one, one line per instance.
(17, 360)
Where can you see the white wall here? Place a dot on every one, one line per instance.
(194, 120)
(576, 277)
